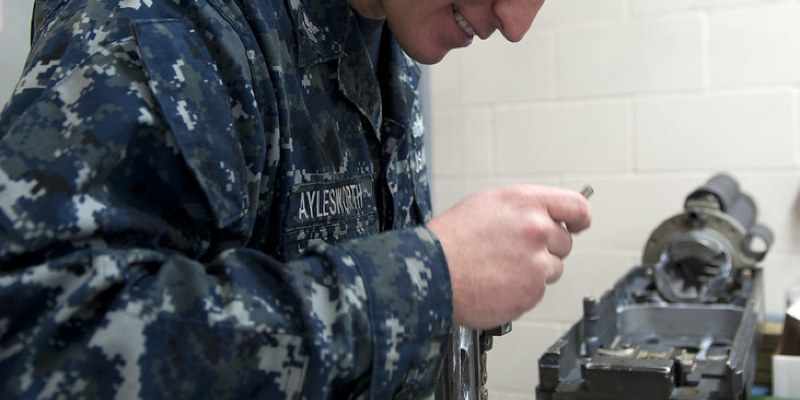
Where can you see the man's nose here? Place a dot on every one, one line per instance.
(516, 17)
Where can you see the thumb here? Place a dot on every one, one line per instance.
(569, 207)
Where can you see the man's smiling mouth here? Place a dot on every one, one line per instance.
(462, 22)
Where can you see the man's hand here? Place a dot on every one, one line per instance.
(504, 245)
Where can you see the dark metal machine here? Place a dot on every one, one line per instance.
(681, 326)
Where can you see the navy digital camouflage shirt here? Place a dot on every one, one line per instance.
(215, 199)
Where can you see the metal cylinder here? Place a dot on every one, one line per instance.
(590, 339)
(723, 188)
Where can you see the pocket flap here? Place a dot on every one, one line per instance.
(196, 105)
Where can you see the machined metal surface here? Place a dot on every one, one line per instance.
(461, 377)
(681, 326)
(695, 253)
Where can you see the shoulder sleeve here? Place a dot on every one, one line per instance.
(112, 283)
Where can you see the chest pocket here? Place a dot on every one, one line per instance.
(328, 211)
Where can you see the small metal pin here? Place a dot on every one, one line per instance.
(587, 191)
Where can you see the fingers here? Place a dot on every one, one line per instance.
(556, 269)
(565, 212)
(559, 242)
(569, 207)
(559, 245)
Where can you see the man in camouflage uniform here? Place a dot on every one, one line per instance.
(226, 198)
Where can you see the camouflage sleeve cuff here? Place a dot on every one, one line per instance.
(411, 309)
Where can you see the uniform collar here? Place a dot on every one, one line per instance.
(322, 29)
(327, 30)
(401, 89)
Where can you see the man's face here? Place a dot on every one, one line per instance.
(428, 29)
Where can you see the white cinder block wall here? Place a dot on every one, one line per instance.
(15, 27)
(642, 99)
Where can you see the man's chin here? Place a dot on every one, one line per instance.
(427, 58)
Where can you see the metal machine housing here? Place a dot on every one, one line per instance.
(684, 324)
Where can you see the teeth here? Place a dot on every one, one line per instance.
(463, 22)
